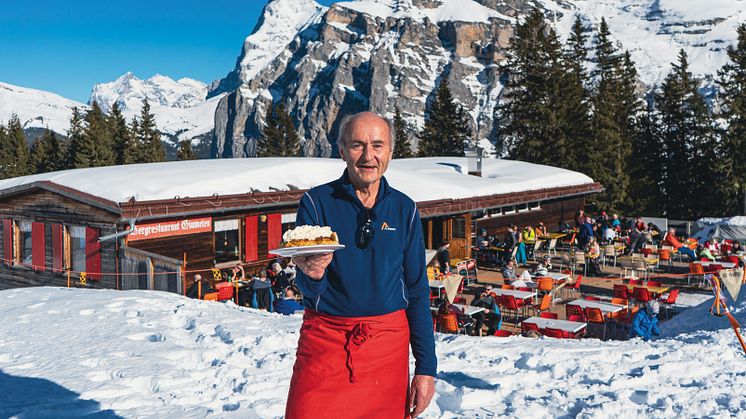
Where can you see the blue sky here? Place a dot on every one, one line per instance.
(66, 46)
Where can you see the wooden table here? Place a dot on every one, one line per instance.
(725, 265)
(468, 310)
(651, 289)
(551, 236)
(563, 325)
(606, 308)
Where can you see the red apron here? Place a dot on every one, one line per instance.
(350, 367)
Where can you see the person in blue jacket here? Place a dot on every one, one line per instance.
(367, 303)
(645, 323)
(286, 304)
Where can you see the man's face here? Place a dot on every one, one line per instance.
(366, 149)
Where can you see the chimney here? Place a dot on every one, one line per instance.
(474, 160)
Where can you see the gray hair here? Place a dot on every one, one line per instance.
(348, 118)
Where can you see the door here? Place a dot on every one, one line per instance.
(458, 233)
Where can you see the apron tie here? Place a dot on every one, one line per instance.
(356, 338)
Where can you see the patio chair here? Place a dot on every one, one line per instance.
(502, 334)
(210, 296)
(552, 247)
(575, 286)
(449, 323)
(641, 294)
(573, 310)
(508, 304)
(537, 246)
(578, 258)
(545, 284)
(664, 255)
(635, 281)
(548, 315)
(732, 259)
(527, 327)
(609, 252)
(507, 287)
(696, 270)
(620, 291)
(669, 300)
(553, 333)
(653, 283)
(225, 291)
(596, 317)
(576, 318)
(543, 305)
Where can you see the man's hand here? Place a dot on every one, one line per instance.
(314, 265)
(420, 394)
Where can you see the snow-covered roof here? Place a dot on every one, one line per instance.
(423, 179)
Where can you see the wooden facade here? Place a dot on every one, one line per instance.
(259, 222)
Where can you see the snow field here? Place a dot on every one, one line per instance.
(154, 354)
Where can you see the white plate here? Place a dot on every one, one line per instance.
(306, 250)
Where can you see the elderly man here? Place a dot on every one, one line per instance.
(367, 302)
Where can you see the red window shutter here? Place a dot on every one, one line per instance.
(8, 241)
(274, 231)
(57, 248)
(251, 239)
(38, 247)
(92, 254)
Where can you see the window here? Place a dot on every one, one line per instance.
(76, 248)
(534, 206)
(25, 244)
(288, 222)
(459, 228)
(226, 241)
(521, 208)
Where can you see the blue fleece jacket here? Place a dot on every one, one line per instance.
(387, 276)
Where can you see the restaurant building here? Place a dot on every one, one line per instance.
(151, 226)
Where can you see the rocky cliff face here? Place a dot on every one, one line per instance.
(373, 55)
(323, 63)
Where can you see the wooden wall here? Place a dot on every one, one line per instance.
(50, 208)
(550, 213)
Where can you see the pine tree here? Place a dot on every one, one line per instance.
(575, 108)
(4, 150)
(732, 81)
(615, 109)
(279, 138)
(16, 158)
(185, 151)
(530, 124)
(645, 165)
(447, 126)
(95, 147)
(125, 148)
(74, 138)
(687, 137)
(402, 147)
(149, 138)
(39, 154)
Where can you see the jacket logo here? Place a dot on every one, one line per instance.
(385, 227)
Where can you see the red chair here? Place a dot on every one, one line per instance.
(595, 316)
(732, 259)
(508, 303)
(459, 300)
(669, 300)
(573, 310)
(225, 291)
(526, 327)
(695, 270)
(620, 291)
(634, 281)
(548, 315)
(576, 318)
(714, 267)
(502, 334)
(641, 294)
(652, 283)
(575, 286)
(524, 289)
(553, 333)
(592, 298)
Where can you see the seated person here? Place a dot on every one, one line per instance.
(509, 271)
(483, 241)
(287, 304)
(199, 288)
(433, 270)
(704, 252)
(671, 240)
(609, 234)
(463, 320)
(542, 269)
(491, 315)
(645, 323)
(524, 281)
(594, 251)
(541, 229)
(263, 295)
(281, 280)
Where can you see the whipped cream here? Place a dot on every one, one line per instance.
(306, 232)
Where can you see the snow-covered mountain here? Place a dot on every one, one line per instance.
(381, 54)
(36, 108)
(129, 92)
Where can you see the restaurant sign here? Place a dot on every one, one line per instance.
(171, 228)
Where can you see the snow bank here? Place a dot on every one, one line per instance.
(698, 319)
(421, 178)
(154, 354)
